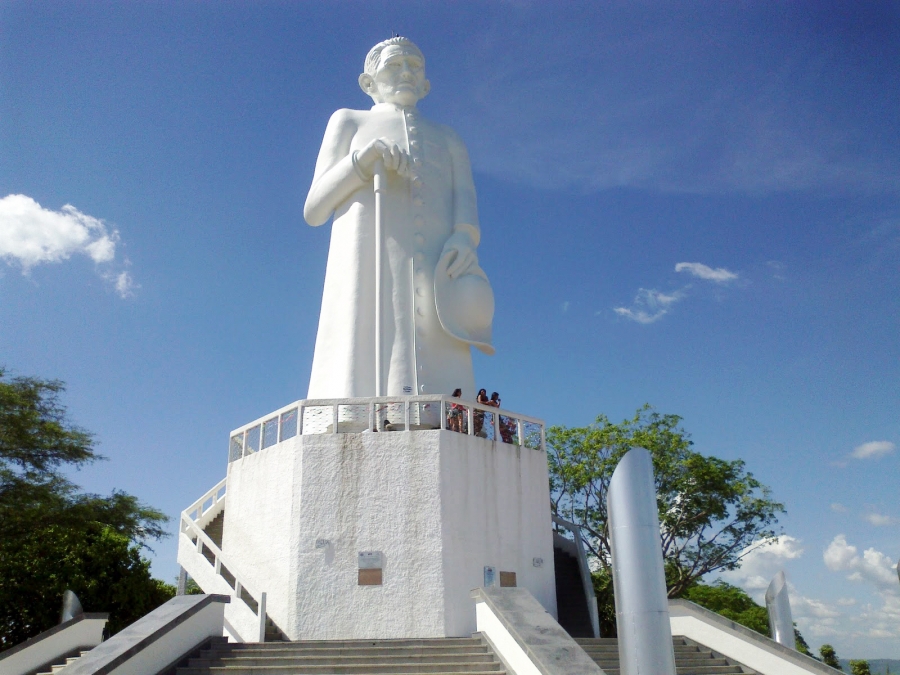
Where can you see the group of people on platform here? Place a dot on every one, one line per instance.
(457, 416)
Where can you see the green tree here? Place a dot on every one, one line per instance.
(712, 511)
(732, 603)
(829, 656)
(859, 667)
(52, 535)
(801, 644)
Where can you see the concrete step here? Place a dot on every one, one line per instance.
(353, 644)
(291, 649)
(340, 669)
(345, 659)
(435, 656)
(690, 658)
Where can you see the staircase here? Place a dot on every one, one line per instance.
(444, 656)
(690, 657)
(570, 601)
(58, 667)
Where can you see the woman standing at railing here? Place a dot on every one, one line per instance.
(456, 420)
(478, 415)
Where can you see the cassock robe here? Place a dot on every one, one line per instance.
(421, 211)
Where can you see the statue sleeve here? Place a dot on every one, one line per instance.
(335, 178)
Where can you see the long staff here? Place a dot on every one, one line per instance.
(380, 181)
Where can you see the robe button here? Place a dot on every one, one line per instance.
(419, 256)
(420, 238)
(418, 201)
(413, 129)
(419, 221)
(417, 160)
(414, 144)
(420, 291)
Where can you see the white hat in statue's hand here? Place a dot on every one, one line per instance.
(465, 305)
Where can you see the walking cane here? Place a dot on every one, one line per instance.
(380, 180)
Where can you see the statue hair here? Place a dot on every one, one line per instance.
(374, 55)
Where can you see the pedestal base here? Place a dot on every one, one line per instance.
(318, 521)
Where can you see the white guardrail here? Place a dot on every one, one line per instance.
(193, 521)
(403, 413)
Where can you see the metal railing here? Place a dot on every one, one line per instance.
(193, 521)
(384, 414)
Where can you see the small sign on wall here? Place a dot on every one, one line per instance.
(490, 576)
(371, 564)
(507, 579)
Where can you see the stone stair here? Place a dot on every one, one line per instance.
(58, 667)
(572, 608)
(438, 656)
(690, 657)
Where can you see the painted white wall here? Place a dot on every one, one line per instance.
(503, 642)
(439, 505)
(81, 634)
(160, 653)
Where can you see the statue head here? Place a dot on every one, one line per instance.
(394, 72)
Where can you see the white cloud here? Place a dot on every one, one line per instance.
(879, 520)
(720, 275)
(838, 508)
(872, 449)
(31, 235)
(125, 285)
(649, 305)
(872, 567)
(565, 307)
(761, 562)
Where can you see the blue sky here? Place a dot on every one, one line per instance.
(697, 208)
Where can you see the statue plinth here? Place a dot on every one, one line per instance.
(383, 535)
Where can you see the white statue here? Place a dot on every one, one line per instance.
(435, 300)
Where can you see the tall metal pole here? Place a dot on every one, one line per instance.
(639, 580)
(380, 181)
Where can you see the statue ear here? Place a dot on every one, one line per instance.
(426, 87)
(367, 83)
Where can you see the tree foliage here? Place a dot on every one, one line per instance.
(732, 603)
(859, 667)
(712, 511)
(829, 656)
(52, 535)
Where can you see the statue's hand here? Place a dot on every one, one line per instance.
(460, 254)
(394, 157)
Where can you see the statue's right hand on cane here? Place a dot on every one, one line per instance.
(394, 157)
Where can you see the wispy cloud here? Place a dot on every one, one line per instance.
(565, 307)
(649, 305)
(31, 235)
(872, 450)
(880, 520)
(720, 275)
(759, 133)
(838, 508)
(760, 563)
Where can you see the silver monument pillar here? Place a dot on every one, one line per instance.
(781, 623)
(639, 580)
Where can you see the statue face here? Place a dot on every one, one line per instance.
(400, 78)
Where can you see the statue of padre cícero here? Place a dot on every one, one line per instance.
(436, 301)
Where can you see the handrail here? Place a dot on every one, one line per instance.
(280, 425)
(190, 527)
(585, 570)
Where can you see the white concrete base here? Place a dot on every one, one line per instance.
(438, 505)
